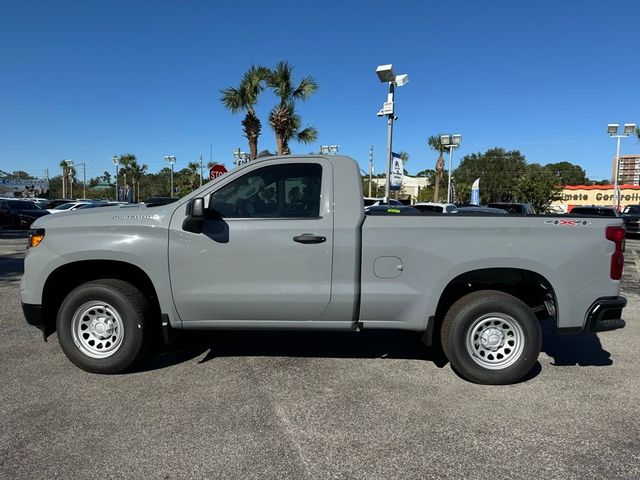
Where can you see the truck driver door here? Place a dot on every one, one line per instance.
(266, 249)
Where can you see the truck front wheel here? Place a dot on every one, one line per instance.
(491, 337)
(101, 325)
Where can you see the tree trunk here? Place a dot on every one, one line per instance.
(253, 148)
(279, 144)
(252, 128)
(439, 170)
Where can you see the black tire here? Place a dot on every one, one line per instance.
(126, 304)
(491, 337)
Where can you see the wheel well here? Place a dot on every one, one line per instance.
(530, 287)
(67, 277)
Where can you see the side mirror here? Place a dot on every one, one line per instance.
(195, 215)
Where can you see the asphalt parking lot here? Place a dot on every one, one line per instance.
(297, 405)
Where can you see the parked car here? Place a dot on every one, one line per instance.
(41, 202)
(514, 208)
(390, 209)
(556, 210)
(58, 201)
(594, 211)
(157, 201)
(67, 207)
(370, 201)
(95, 205)
(19, 213)
(475, 210)
(434, 207)
(631, 217)
(284, 243)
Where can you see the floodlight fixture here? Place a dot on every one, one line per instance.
(69, 162)
(401, 80)
(629, 128)
(170, 159)
(324, 149)
(456, 139)
(115, 160)
(334, 149)
(385, 73)
(445, 139)
(612, 128)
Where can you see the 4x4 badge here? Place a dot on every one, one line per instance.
(568, 223)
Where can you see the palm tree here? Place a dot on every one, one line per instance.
(245, 97)
(283, 118)
(638, 133)
(194, 169)
(137, 171)
(63, 165)
(125, 161)
(435, 144)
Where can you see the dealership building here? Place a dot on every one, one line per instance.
(602, 195)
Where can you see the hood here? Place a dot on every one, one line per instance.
(32, 213)
(116, 216)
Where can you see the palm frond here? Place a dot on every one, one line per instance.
(307, 87)
(232, 99)
(307, 135)
(280, 80)
(435, 144)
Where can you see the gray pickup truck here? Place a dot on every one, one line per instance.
(284, 243)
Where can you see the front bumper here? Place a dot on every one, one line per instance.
(605, 314)
(33, 315)
(632, 228)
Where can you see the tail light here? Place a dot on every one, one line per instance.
(616, 235)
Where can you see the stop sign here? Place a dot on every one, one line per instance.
(217, 170)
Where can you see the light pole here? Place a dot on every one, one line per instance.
(612, 130)
(371, 170)
(240, 158)
(172, 160)
(329, 149)
(385, 74)
(451, 142)
(116, 162)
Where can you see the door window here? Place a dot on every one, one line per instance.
(278, 191)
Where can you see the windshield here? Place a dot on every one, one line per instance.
(596, 212)
(22, 205)
(429, 208)
(632, 210)
(64, 206)
(509, 207)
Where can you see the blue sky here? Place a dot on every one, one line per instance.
(86, 80)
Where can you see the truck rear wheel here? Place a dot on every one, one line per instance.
(101, 325)
(491, 337)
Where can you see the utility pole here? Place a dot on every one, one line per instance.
(84, 179)
(371, 170)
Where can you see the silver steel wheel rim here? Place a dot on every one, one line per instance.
(495, 341)
(97, 329)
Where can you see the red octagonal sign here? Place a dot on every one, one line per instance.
(217, 170)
